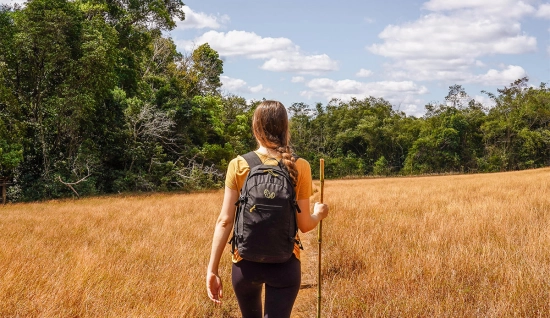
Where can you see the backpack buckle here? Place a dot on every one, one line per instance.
(299, 244)
(242, 199)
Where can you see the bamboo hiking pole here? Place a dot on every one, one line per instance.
(319, 235)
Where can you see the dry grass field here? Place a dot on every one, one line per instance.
(138, 256)
(447, 246)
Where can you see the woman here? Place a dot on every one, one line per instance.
(282, 280)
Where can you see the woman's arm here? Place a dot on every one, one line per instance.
(223, 228)
(307, 221)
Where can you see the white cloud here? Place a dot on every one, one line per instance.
(241, 43)
(200, 20)
(495, 8)
(281, 54)
(363, 73)
(544, 11)
(445, 37)
(442, 5)
(479, 64)
(307, 94)
(297, 79)
(484, 100)
(403, 94)
(504, 77)
(233, 85)
(452, 40)
(257, 88)
(297, 62)
(426, 69)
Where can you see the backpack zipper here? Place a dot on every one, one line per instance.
(270, 171)
(265, 207)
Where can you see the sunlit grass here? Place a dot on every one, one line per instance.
(139, 256)
(448, 246)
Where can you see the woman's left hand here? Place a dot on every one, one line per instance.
(214, 287)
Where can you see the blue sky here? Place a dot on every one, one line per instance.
(407, 52)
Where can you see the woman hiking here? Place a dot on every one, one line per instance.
(281, 279)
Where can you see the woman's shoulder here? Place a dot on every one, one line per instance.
(239, 164)
(301, 161)
(302, 164)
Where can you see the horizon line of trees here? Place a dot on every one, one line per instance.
(94, 99)
(370, 137)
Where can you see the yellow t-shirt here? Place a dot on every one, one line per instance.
(238, 170)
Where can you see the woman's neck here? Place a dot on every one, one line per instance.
(268, 152)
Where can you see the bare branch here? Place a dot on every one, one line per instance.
(71, 184)
(151, 123)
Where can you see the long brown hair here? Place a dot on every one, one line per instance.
(270, 127)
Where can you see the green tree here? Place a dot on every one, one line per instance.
(381, 167)
(207, 67)
(59, 65)
(450, 138)
(517, 128)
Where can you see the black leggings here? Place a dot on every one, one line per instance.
(282, 283)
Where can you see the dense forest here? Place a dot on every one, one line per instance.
(95, 99)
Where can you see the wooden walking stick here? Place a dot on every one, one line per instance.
(319, 232)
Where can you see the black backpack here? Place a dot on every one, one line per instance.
(265, 223)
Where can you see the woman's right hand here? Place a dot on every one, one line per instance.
(321, 210)
(214, 287)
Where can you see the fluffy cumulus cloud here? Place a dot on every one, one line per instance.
(544, 11)
(363, 73)
(405, 95)
(503, 77)
(241, 43)
(279, 54)
(199, 20)
(300, 63)
(450, 42)
(235, 85)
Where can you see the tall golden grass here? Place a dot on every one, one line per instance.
(449, 246)
(138, 256)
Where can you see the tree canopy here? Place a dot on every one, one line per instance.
(95, 99)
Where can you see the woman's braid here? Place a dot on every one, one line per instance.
(290, 162)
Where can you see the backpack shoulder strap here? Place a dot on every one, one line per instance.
(252, 159)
